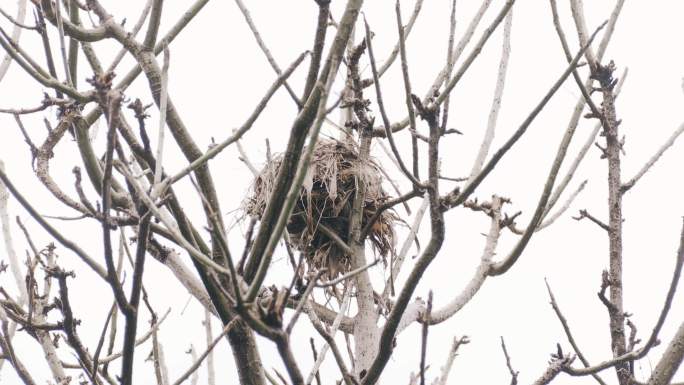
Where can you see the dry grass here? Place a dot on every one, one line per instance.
(326, 199)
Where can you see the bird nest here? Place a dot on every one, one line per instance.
(325, 201)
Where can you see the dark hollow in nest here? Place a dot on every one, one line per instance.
(326, 199)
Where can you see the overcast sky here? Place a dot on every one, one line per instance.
(218, 74)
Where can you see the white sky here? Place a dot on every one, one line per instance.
(217, 76)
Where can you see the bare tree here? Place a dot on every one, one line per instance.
(323, 203)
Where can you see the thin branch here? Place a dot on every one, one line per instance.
(15, 266)
(99, 270)
(383, 113)
(16, 34)
(315, 357)
(292, 194)
(407, 93)
(329, 336)
(556, 365)
(399, 259)
(475, 52)
(75, 31)
(349, 275)
(62, 43)
(514, 374)
(142, 339)
(670, 141)
(211, 373)
(162, 110)
(136, 28)
(653, 338)
(264, 49)
(160, 368)
(482, 270)
(560, 188)
(496, 101)
(195, 365)
(450, 62)
(456, 197)
(317, 51)
(453, 352)
(405, 31)
(9, 354)
(424, 338)
(37, 73)
(568, 333)
(394, 319)
(153, 27)
(215, 150)
(304, 299)
(551, 219)
(585, 214)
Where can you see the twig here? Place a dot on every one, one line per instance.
(142, 339)
(350, 274)
(245, 159)
(195, 365)
(153, 30)
(394, 319)
(474, 53)
(15, 266)
(503, 266)
(595, 112)
(62, 44)
(136, 28)
(160, 369)
(482, 270)
(424, 338)
(405, 31)
(100, 342)
(195, 375)
(453, 352)
(37, 73)
(317, 51)
(670, 141)
(8, 353)
(16, 34)
(578, 16)
(568, 333)
(264, 49)
(292, 194)
(457, 197)
(386, 206)
(551, 219)
(162, 114)
(308, 121)
(215, 150)
(304, 299)
(514, 374)
(585, 214)
(329, 337)
(335, 325)
(21, 14)
(407, 93)
(315, 357)
(585, 147)
(556, 365)
(399, 259)
(51, 230)
(496, 101)
(383, 113)
(449, 63)
(46, 103)
(653, 338)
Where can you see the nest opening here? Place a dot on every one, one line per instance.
(325, 204)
